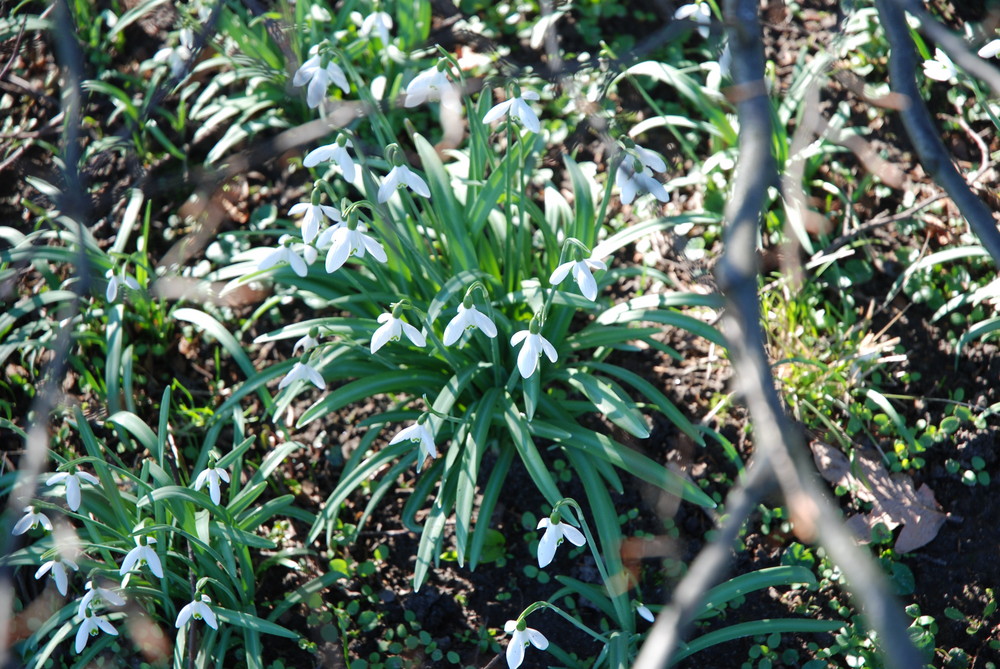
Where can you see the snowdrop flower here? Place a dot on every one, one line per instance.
(420, 433)
(631, 182)
(58, 568)
(302, 372)
(990, 50)
(319, 75)
(213, 477)
(468, 318)
(337, 152)
(516, 107)
(555, 532)
(286, 253)
(940, 68)
(306, 343)
(698, 12)
(314, 214)
(346, 241)
(378, 22)
(116, 281)
(198, 609)
(143, 553)
(91, 625)
(644, 612)
(431, 86)
(392, 328)
(176, 57)
(520, 636)
(402, 175)
(582, 274)
(109, 597)
(534, 345)
(31, 519)
(72, 483)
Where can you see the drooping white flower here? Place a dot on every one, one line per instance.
(431, 86)
(392, 329)
(314, 215)
(198, 609)
(58, 568)
(319, 78)
(554, 535)
(990, 49)
(176, 57)
(534, 345)
(520, 636)
(143, 553)
(644, 612)
(305, 343)
(379, 23)
(303, 372)
(517, 108)
(94, 596)
(116, 281)
(402, 175)
(420, 433)
(631, 182)
(213, 477)
(337, 152)
(90, 626)
(700, 13)
(72, 482)
(345, 242)
(940, 68)
(466, 319)
(287, 253)
(582, 273)
(31, 519)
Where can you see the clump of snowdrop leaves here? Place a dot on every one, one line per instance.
(319, 71)
(520, 637)
(635, 173)
(517, 108)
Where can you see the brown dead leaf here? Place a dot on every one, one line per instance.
(894, 500)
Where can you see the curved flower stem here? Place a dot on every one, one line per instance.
(579, 625)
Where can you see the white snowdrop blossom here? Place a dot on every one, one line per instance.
(345, 242)
(990, 50)
(72, 482)
(198, 609)
(582, 273)
(392, 329)
(306, 343)
(314, 214)
(176, 57)
(940, 68)
(402, 175)
(644, 612)
(700, 13)
(520, 636)
(143, 553)
(516, 107)
(91, 626)
(302, 372)
(534, 345)
(286, 253)
(336, 152)
(466, 319)
(431, 86)
(59, 573)
(554, 535)
(212, 476)
(95, 596)
(379, 23)
(420, 433)
(319, 77)
(116, 281)
(31, 519)
(631, 182)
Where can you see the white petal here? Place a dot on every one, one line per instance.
(518, 337)
(483, 322)
(413, 334)
(112, 291)
(515, 651)
(537, 639)
(153, 560)
(89, 478)
(339, 251)
(527, 115)
(306, 71)
(416, 183)
(315, 157)
(650, 159)
(644, 612)
(345, 162)
(374, 248)
(337, 76)
(406, 434)
(381, 336)
(391, 182)
(454, 329)
(209, 616)
(106, 626)
(316, 91)
(527, 359)
(547, 546)
(585, 280)
(184, 615)
(498, 111)
(297, 263)
(129, 562)
(628, 188)
(574, 535)
(59, 574)
(510, 626)
(23, 525)
(82, 635)
(201, 479)
(315, 377)
(73, 493)
(214, 491)
(990, 50)
(549, 350)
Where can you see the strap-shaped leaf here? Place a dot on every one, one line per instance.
(608, 402)
(525, 445)
(395, 381)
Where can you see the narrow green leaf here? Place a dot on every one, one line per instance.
(753, 628)
(620, 411)
(521, 434)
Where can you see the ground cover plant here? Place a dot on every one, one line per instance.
(420, 334)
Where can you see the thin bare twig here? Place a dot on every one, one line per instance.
(921, 131)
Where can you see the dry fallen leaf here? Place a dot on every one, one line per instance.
(894, 501)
